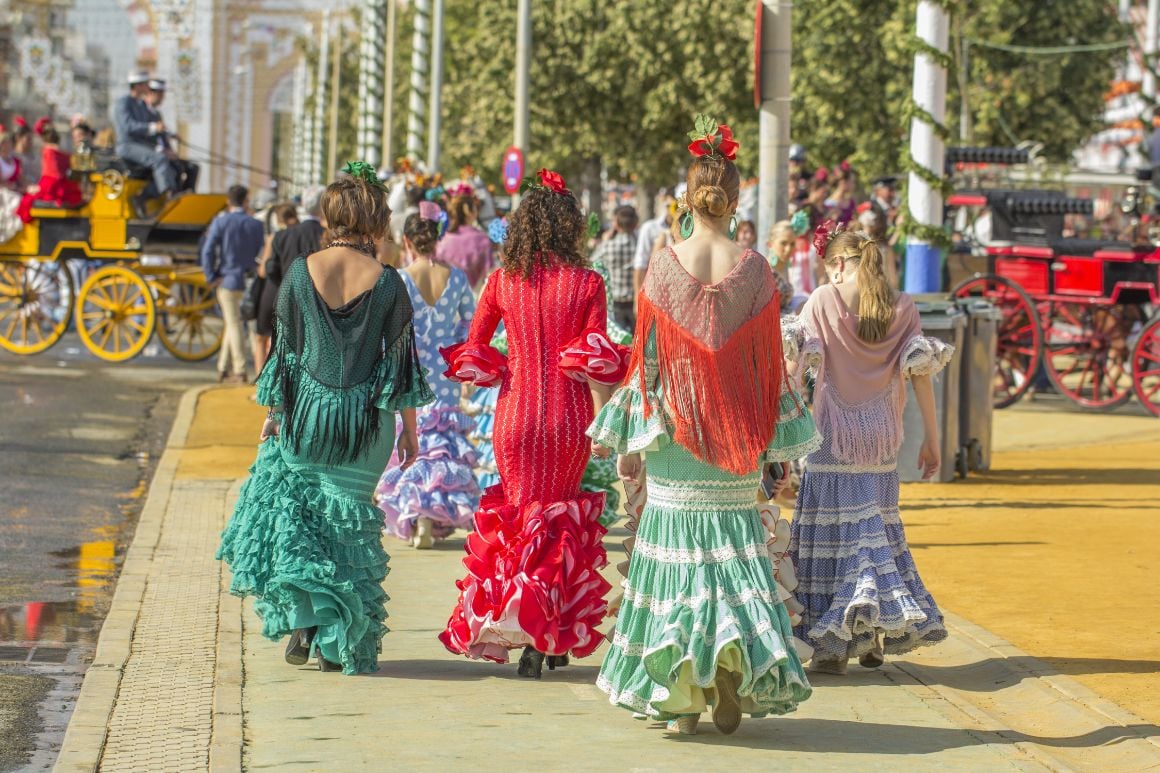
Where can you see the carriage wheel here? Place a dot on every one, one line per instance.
(1020, 335)
(1146, 367)
(35, 305)
(115, 313)
(189, 324)
(1087, 353)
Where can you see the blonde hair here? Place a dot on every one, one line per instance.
(779, 227)
(875, 298)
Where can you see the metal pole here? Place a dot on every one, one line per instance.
(320, 99)
(389, 86)
(523, 80)
(435, 105)
(335, 86)
(1150, 31)
(418, 79)
(923, 261)
(301, 128)
(370, 81)
(776, 54)
(965, 124)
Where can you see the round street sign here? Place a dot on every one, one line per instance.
(513, 169)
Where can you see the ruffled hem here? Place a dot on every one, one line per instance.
(533, 578)
(925, 356)
(311, 558)
(796, 436)
(622, 426)
(600, 478)
(592, 355)
(477, 364)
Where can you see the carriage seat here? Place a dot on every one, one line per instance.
(131, 171)
(1086, 247)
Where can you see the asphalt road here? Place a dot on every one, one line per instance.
(78, 442)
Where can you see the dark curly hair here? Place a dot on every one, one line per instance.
(546, 228)
(423, 234)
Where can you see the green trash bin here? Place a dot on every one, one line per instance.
(976, 379)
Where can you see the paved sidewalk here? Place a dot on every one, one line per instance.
(183, 681)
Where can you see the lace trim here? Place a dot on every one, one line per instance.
(638, 649)
(663, 607)
(749, 552)
(796, 451)
(610, 438)
(691, 495)
(925, 356)
(852, 468)
(631, 699)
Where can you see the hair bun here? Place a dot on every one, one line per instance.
(711, 200)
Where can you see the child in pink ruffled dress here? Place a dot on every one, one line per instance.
(860, 590)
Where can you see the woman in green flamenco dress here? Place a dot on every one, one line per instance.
(305, 538)
(702, 622)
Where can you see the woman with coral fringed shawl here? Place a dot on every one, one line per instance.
(706, 399)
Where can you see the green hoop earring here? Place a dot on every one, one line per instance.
(686, 225)
(733, 227)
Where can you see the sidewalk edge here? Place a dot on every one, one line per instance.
(84, 739)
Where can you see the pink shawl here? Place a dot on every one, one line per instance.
(860, 395)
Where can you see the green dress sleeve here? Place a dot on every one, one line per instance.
(623, 424)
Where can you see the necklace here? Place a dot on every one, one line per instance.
(363, 247)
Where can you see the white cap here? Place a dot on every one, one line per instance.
(137, 76)
(157, 84)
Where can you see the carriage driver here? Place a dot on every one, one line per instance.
(138, 130)
(187, 171)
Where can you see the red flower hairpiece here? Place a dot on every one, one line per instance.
(712, 139)
(823, 234)
(40, 125)
(549, 181)
(19, 122)
(462, 189)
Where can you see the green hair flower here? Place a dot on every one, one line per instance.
(361, 170)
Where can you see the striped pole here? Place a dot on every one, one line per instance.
(302, 127)
(372, 57)
(320, 100)
(417, 104)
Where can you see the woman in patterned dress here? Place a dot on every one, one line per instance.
(706, 400)
(862, 594)
(533, 562)
(438, 494)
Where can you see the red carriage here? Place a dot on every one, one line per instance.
(1080, 312)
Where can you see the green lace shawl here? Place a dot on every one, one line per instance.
(334, 371)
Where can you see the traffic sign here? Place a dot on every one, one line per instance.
(513, 169)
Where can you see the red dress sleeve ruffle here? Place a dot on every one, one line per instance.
(593, 355)
(477, 364)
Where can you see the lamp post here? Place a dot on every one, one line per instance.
(774, 92)
(523, 80)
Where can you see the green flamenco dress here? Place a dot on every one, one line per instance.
(305, 538)
(700, 596)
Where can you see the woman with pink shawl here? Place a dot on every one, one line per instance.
(703, 621)
(861, 591)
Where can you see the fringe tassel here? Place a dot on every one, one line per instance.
(724, 403)
(867, 433)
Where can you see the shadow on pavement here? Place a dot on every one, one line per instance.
(1129, 476)
(462, 669)
(974, 677)
(832, 736)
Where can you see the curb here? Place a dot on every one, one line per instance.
(84, 740)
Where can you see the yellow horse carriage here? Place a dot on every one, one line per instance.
(135, 276)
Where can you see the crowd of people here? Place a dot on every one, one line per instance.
(501, 381)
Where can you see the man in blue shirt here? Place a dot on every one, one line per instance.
(228, 254)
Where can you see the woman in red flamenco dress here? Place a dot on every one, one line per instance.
(533, 561)
(55, 186)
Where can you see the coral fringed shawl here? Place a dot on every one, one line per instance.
(720, 358)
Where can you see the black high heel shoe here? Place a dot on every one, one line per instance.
(298, 648)
(557, 661)
(531, 663)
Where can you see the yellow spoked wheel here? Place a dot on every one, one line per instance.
(189, 323)
(35, 305)
(115, 313)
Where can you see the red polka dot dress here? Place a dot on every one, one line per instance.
(533, 561)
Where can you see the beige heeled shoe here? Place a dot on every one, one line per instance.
(685, 725)
(727, 709)
(424, 538)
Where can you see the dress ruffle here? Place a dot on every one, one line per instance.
(532, 579)
(477, 364)
(925, 356)
(796, 436)
(440, 485)
(600, 477)
(592, 355)
(687, 613)
(311, 557)
(623, 427)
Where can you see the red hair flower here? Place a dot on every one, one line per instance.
(554, 182)
(712, 139)
(40, 125)
(822, 235)
(19, 122)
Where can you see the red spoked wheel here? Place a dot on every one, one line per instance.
(1087, 353)
(1020, 338)
(1146, 367)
